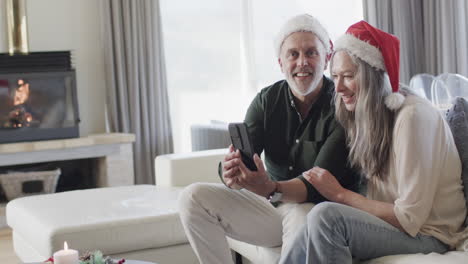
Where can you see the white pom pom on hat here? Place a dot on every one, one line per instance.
(394, 100)
(380, 50)
(303, 23)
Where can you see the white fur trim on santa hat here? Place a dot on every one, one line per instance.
(361, 49)
(302, 23)
(394, 101)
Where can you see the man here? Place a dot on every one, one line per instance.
(293, 122)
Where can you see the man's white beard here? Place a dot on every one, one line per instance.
(318, 75)
(311, 88)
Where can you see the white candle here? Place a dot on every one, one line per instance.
(66, 256)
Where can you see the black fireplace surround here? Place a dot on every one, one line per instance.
(37, 97)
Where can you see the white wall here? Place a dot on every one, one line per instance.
(70, 25)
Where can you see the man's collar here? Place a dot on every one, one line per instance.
(291, 97)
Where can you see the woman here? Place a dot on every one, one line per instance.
(415, 201)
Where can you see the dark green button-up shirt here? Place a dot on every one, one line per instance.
(292, 145)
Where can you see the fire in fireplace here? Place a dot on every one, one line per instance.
(20, 114)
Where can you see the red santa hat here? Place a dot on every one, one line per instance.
(379, 49)
(303, 23)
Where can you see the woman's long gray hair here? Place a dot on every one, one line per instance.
(369, 127)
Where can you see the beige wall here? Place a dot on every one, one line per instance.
(70, 25)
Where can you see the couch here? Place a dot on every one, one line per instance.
(141, 221)
(183, 169)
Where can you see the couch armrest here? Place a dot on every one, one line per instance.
(186, 168)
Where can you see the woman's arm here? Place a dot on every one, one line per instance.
(330, 188)
(382, 210)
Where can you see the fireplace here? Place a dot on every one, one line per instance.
(38, 98)
(37, 101)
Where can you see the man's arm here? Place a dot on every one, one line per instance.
(333, 156)
(293, 190)
(258, 182)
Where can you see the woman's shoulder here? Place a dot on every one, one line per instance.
(418, 107)
(418, 114)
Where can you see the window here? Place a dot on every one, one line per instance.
(219, 53)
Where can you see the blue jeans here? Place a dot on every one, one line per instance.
(336, 233)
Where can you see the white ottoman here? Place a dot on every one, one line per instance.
(135, 222)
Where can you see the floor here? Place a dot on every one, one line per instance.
(7, 255)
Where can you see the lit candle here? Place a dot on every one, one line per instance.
(66, 256)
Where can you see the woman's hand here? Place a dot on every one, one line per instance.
(326, 184)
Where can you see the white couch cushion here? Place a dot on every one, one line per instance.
(260, 255)
(114, 220)
(182, 169)
(451, 257)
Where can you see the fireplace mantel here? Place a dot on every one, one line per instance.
(113, 153)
